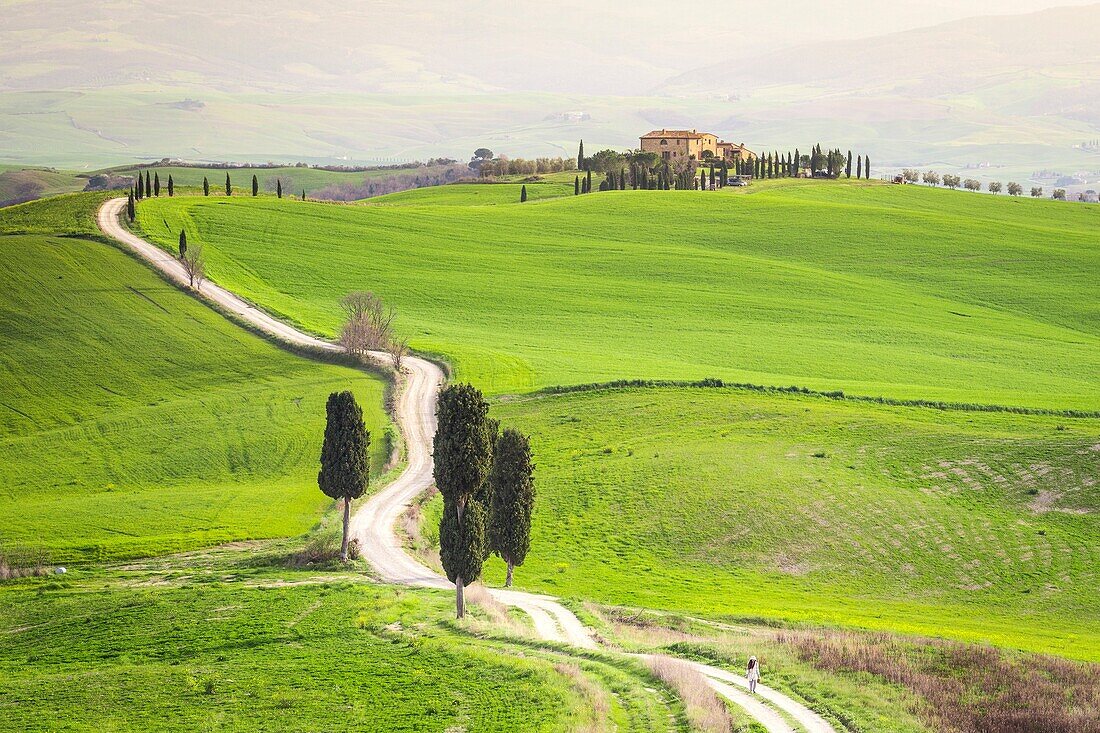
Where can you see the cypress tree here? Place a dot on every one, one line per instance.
(148, 185)
(279, 187)
(867, 167)
(712, 175)
(463, 454)
(183, 243)
(848, 166)
(156, 184)
(580, 156)
(255, 185)
(205, 186)
(702, 180)
(576, 185)
(345, 456)
(303, 194)
(131, 210)
(523, 194)
(171, 186)
(797, 162)
(140, 187)
(588, 181)
(228, 185)
(725, 174)
(859, 167)
(622, 179)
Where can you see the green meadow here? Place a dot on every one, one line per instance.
(748, 505)
(134, 419)
(229, 656)
(876, 290)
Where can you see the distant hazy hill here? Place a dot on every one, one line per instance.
(94, 84)
(1050, 60)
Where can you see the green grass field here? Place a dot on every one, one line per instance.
(229, 657)
(876, 290)
(725, 502)
(134, 419)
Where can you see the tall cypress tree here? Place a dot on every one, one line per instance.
(576, 185)
(859, 167)
(622, 179)
(725, 174)
(867, 167)
(171, 186)
(580, 156)
(345, 456)
(255, 185)
(148, 185)
(463, 455)
(140, 187)
(588, 181)
(183, 244)
(205, 186)
(131, 210)
(303, 194)
(848, 166)
(523, 194)
(156, 184)
(228, 185)
(797, 162)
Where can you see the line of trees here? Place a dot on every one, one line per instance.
(932, 178)
(489, 166)
(486, 478)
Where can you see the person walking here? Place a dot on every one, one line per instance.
(753, 674)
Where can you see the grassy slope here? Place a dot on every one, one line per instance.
(876, 290)
(16, 181)
(223, 657)
(975, 526)
(294, 179)
(135, 420)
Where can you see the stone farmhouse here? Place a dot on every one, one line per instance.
(691, 144)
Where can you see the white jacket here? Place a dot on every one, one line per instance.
(754, 673)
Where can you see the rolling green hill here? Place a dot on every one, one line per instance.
(975, 526)
(874, 290)
(134, 419)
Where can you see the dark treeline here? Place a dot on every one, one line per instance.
(379, 186)
(637, 169)
(176, 163)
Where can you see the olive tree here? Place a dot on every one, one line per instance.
(345, 456)
(462, 453)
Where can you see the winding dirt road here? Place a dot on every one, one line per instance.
(373, 523)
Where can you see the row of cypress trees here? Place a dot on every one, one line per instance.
(151, 187)
(485, 477)
(483, 473)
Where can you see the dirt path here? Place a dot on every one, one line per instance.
(373, 523)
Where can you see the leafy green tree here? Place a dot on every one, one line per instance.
(523, 194)
(228, 185)
(205, 186)
(156, 184)
(279, 187)
(345, 456)
(463, 454)
(171, 186)
(183, 244)
(255, 185)
(848, 166)
(512, 498)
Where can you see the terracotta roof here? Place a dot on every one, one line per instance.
(689, 134)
